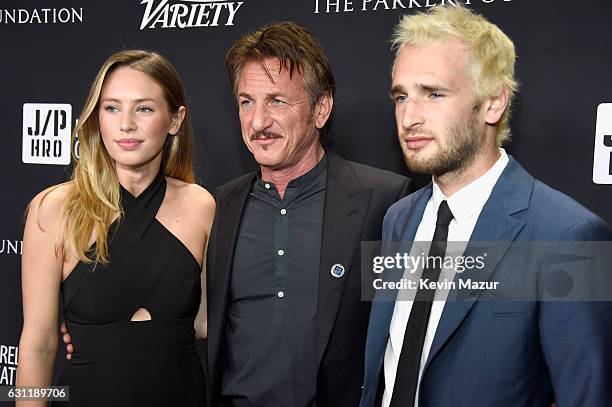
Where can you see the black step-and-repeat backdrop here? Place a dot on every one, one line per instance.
(51, 51)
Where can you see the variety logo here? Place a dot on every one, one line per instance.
(602, 157)
(348, 6)
(189, 13)
(46, 133)
(41, 16)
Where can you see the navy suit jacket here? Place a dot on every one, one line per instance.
(507, 353)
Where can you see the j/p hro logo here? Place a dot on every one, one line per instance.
(602, 157)
(46, 133)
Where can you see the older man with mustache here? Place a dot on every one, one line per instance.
(284, 297)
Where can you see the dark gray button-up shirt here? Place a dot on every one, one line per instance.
(271, 330)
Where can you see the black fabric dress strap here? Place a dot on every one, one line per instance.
(139, 213)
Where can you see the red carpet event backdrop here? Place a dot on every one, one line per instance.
(562, 122)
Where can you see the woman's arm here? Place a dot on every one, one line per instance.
(207, 212)
(201, 320)
(41, 274)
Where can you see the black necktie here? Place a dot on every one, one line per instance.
(406, 378)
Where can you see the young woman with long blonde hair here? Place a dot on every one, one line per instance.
(124, 243)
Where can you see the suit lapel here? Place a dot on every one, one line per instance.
(406, 231)
(384, 302)
(496, 225)
(346, 207)
(229, 214)
(400, 236)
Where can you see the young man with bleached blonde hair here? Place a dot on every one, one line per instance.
(452, 86)
(492, 53)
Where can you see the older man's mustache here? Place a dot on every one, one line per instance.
(263, 135)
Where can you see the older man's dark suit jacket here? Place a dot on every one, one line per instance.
(356, 199)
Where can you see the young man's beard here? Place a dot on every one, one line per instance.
(463, 141)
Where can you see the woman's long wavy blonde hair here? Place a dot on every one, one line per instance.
(94, 198)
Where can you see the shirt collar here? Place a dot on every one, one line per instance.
(467, 203)
(314, 180)
(310, 176)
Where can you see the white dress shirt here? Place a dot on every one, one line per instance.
(466, 205)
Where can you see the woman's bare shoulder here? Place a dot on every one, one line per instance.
(48, 205)
(195, 195)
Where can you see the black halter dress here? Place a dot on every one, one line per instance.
(119, 362)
